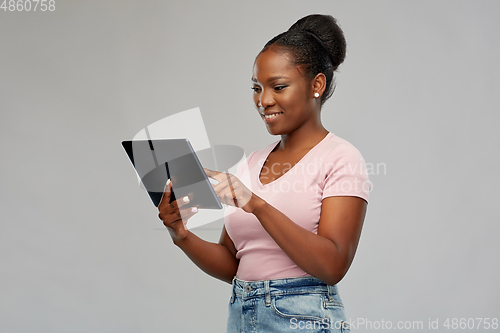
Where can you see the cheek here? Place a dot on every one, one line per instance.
(255, 99)
(293, 99)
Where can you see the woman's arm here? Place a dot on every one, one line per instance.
(328, 254)
(218, 260)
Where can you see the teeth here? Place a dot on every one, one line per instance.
(269, 116)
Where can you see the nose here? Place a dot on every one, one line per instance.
(266, 99)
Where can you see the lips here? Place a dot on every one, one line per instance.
(271, 116)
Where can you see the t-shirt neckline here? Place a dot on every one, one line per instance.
(300, 161)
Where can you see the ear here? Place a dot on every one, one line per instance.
(318, 84)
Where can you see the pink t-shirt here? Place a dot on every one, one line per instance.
(333, 167)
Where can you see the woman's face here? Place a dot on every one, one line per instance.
(282, 93)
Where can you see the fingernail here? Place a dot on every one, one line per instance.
(194, 209)
(185, 199)
(168, 181)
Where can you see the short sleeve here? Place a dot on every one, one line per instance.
(345, 173)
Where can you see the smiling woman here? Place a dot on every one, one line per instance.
(297, 206)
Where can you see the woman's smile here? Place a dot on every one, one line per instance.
(271, 118)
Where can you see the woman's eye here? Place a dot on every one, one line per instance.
(256, 89)
(278, 88)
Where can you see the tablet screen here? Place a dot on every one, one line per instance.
(156, 161)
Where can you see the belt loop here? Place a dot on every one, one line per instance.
(332, 290)
(233, 291)
(268, 293)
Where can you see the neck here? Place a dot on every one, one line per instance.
(306, 136)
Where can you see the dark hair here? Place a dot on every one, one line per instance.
(318, 46)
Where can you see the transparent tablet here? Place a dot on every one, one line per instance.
(156, 161)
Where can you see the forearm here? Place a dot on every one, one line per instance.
(314, 254)
(214, 259)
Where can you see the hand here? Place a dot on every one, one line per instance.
(231, 191)
(174, 215)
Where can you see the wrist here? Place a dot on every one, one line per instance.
(178, 237)
(259, 205)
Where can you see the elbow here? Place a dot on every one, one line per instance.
(332, 267)
(337, 268)
(334, 274)
(333, 279)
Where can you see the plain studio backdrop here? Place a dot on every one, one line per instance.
(82, 249)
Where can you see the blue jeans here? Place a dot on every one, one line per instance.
(300, 304)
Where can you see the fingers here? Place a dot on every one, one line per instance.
(179, 219)
(230, 193)
(176, 214)
(172, 209)
(186, 213)
(180, 202)
(230, 190)
(223, 183)
(172, 214)
(209, 172)
(165, 198)
(227, 185)
(178, 229)
(227, 197)
(213, 174)
(225, 180)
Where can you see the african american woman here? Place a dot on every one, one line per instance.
(296, 207)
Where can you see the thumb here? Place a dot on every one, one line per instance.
(167, 191)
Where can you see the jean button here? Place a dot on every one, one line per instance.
(248, 289)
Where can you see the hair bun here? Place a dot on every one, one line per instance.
(325, 28)
(318, 46)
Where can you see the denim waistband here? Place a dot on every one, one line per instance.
(286, 286)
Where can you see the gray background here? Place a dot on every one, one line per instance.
(81, 247)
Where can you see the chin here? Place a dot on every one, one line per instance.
(276, 131)
(273, 131)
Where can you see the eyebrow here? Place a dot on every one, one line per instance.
(273, 78)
